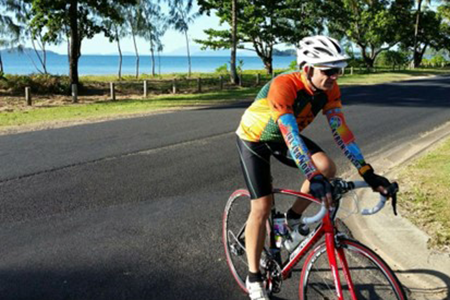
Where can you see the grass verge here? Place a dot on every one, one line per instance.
(103, 109)
(388, 76)
(424, 195)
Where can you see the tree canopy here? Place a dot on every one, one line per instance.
(76, 20)
(262, 24)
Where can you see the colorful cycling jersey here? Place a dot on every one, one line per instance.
(287, 93)
(287, 105)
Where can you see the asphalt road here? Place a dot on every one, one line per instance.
(131, 209)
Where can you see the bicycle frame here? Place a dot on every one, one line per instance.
(327, 229)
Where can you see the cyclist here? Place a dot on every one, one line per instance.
(271, 126)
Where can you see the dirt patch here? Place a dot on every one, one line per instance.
(18, 103)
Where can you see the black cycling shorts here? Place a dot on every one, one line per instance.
(255, 162)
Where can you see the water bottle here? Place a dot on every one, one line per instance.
(293, 240)
(279, 228)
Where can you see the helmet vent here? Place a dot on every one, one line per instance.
(338, 49)
(311, 54)
(324, 50)
(323, 43)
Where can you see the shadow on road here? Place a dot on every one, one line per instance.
(433, 291)
(105, 284)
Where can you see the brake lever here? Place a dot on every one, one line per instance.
(392, 191)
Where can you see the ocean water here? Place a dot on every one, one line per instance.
(108, 64)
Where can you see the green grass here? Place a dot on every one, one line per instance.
(424, 194)
(388, 76)
(362, 79)
(120, 108)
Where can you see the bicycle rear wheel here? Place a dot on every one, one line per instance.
(233, 235)
(372, 278)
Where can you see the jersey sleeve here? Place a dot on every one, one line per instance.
(281, 97)
(299, 152)
(344, 137)
(334, 99)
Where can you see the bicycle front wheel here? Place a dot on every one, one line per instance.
(372, 278)
(233, 235)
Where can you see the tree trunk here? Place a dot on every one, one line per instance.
(233, 73)
(44, 54)
(152, 51)
(188, 53)
(137, 53)
(1, 66)
(373, 55)
(419, 55)
(159, 63)
(68, 48)
(43, 59)
(416, 33)
(32, 60)
(120, 56)
(74, 42)
(268, 64)
(367, 60)
(265, 54)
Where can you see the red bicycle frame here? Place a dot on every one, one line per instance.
(328, 230)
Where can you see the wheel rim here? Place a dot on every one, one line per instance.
(371, 277)
(236, 213)
(234, 220)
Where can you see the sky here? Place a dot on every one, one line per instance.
(174, 42)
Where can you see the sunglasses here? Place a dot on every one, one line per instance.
(331, 72)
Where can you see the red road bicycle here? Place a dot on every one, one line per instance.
(336, 267)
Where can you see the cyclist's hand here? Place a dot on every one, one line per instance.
(382, 185)
(321, 188)
(377, 183)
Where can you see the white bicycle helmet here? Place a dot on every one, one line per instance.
(321, 52)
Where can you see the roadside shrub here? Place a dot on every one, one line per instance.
(438, 61)
(240, 66)
(39, 84)
(392, 59)
(223, 69)
(356, 63)
(293, 65)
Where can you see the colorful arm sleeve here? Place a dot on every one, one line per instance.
(299, 151)
(344, 137)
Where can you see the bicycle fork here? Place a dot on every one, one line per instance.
(333, 247)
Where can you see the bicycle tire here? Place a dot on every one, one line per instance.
(235, 216)
(372, 278)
